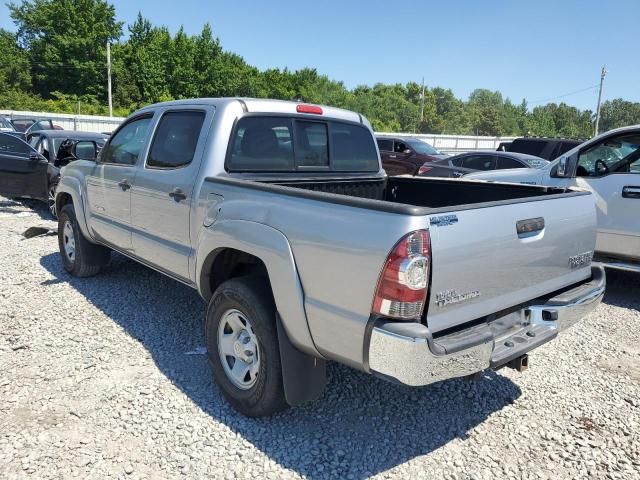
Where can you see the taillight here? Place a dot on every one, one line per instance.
(302, 108)
(404, 281)
(424, 169)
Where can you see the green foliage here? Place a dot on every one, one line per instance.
(66, 42)
(57, 60)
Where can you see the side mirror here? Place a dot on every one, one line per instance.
(408, 151)
(35, 156)
(85, 150)
(562, 169)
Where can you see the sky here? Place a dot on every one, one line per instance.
(540, 50)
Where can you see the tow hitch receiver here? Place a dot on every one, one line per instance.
(520, 364)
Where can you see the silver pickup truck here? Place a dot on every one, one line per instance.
(280, 215)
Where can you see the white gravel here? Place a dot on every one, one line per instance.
(104, 377)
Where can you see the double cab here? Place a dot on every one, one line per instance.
(281, 216)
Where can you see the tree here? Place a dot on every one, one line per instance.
(618, 113)
(66, 41)
(14, 64)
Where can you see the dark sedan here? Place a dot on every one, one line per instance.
(404, 155)
(49, 143)
(28, 172)
(459, 165)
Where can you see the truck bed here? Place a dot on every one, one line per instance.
(432, 193)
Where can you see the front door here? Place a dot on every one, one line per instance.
(109, 183)
(611, 170)
(23, 172)
(162, 194)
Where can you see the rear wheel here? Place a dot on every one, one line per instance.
(242, 346)
(80, 257)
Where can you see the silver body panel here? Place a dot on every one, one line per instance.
(323, 258)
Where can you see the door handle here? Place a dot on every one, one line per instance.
(177, 194)
(392, 156)
(124, 184)
(631, 191)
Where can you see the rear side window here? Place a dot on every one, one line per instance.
(479, 162)
(385, 144)
(261, 143)
(175, 140)
(13, 146)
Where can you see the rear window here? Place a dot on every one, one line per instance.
(280, 144)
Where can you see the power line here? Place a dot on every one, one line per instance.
(543, 100)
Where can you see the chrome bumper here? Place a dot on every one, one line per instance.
(408, 353)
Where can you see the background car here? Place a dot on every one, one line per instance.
(27, 173)
(404, 155)
(25, 126)
(49, 143)
(460, 165)
(547, 148)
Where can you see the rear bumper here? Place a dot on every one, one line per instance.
(408, 353)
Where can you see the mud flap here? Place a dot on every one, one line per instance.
(304, 376)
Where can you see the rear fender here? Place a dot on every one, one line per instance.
(272, 247)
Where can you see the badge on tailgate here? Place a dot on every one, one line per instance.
(581, 260)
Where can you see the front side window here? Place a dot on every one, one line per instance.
(400, 147)
(614, 155)
(11, 145)
(125, 146)
(423, 148)
(174, 143)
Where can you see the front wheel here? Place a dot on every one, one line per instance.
(51, 198)
(242, 346)
(80, 257)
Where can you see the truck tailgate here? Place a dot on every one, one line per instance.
(482, 265)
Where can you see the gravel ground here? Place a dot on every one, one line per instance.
(105, 377)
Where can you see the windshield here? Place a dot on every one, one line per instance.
(423, 147)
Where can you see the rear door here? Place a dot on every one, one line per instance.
(482, 265)
(162, 194)
(611, 170)
(109, 183)
(23, 172)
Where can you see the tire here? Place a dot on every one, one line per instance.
(51, 198)
(260, 392)
(80, 257)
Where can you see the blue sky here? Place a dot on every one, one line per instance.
(538, 50)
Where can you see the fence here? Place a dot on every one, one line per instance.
(86, 123)
(455, 143)
(94, 123)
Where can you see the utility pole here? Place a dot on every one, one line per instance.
(109, 78)
(603, 74)
(422, 103)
